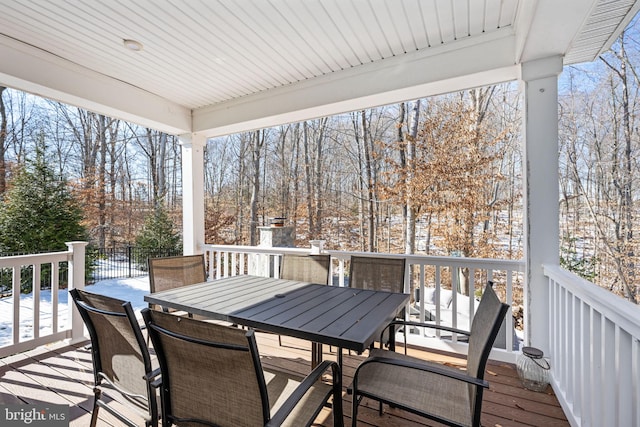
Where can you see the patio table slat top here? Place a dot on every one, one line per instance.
(344, 317)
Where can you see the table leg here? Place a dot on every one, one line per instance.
(316, 354)
(392, 338)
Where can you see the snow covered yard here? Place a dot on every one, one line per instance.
(128, 289)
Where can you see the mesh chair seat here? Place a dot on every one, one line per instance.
(121, 359)
(212, 375)
(307, 268)
(280, 385)
(378, 274)
(415, 388)
(174, 272)
(435, 391)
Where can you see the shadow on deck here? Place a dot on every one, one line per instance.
(62, 374)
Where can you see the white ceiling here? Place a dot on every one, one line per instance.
(221, 66)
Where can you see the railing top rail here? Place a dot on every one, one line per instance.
(620, 311)
(418, 259)
(20, 260)
(255, 249)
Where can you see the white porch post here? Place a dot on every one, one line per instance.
(76, 281)
(192, 192)
(541, 191)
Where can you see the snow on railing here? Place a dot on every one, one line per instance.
(594, 340)
(428, 276)
(33, 319)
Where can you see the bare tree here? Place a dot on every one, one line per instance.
(257, 143)
(623, 175)
(599, 148)
(153, 145)
(313, 142)
(410, 155)
(3, 141)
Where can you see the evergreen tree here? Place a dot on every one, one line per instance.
(158, 237)
(39, 212)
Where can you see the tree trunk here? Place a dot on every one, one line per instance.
(239, 190)
(258, 141)
(307, 176)
(3, 141)
(114, 127)
(369, 183)
(624, 252)
(402, 112)
(410, 155)
(360, 181)
(317, 170)
(295, 173)
(101, 190)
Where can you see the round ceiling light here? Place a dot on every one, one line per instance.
(133, 45)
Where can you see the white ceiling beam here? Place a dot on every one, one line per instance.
(32, 70)
(554, 26)
(479, 62)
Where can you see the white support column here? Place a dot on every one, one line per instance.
(192, 192)
(76, 281)
(541, 191)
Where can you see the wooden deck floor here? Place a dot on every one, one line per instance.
(62, 375)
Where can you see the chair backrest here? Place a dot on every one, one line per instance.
(174, 272)
(120, 354)
(306, 268)
(210, 373)
(484, 329)
(377, 273)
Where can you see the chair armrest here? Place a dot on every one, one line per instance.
(154, 378)
(406, 323)
(295, 397)
(438, 370)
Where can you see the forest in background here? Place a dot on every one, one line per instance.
(439, 176)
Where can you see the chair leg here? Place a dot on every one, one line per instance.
(354, 409)
(94, 413)
(405, 341)
(154, 413)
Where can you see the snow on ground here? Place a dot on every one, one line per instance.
(128, 289)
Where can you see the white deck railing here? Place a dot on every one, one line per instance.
(594, 352)
(594, 336)
(425, 273)
(34, 325)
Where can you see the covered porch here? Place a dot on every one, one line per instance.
(228, 72)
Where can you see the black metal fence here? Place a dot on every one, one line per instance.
(126, 261)
(101, 264)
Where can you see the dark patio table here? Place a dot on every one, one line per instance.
(342, 317)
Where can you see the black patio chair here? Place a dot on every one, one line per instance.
(212, 375)
(379, 274)
(435, 391)
(176, 271)
(121, 359)
(306, 268)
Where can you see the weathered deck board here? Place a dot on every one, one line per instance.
(63, 375)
